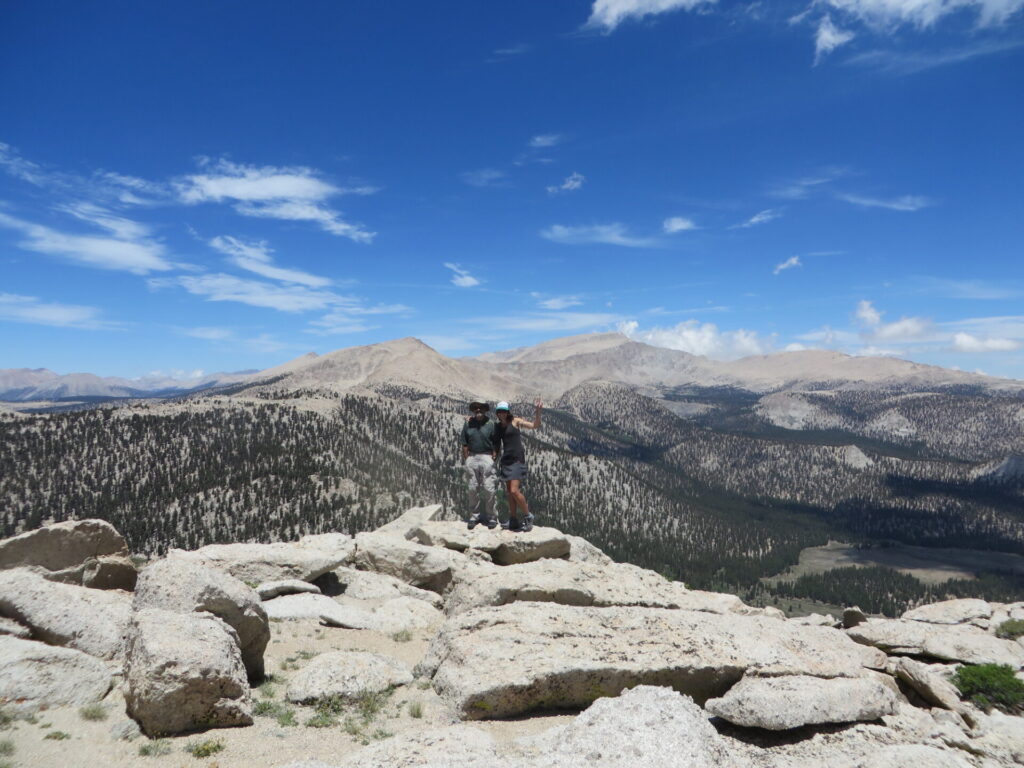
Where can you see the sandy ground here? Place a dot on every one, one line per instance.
(265, 744)
(930, 565)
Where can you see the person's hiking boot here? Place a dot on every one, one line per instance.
(515, 524)
(472, 522)
(491, 522)
(527, 524)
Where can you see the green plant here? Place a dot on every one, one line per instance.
(416, 709)
(204, 748)
(370, 703)
(306, 655)
(353, 727)
(322, 719)
(93, 712)
(991, 686)
(155, 748)
(1011, 629)
(286, 718)
(402, 636)
(7, 717)
(381, 734)
(57, 735)
(268, 687)
(6, 747)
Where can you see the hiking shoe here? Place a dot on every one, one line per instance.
(491, 523)
(472, 522)
(527, 524)
(515, 524)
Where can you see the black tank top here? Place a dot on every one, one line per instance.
(511, 444)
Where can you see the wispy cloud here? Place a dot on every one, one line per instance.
(29, 309)
(138, 254)
(906, 329)
(908, 203)
(554, 321)
(899, 62)
(545, 140)
(605, 234)
(792, 261)
(255, 257)
(887, 15)
(572, 182)
(802, 187)
(606, 15)
(763, 217)
(484, 177)
(675, 224)
(255, 293)
(287, 193)
(971, 289)
(556, 302)
(702, 339)
(461, 277)
(828, 38)
(965, 342)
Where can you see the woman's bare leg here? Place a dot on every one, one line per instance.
(516, 497)
(511, 498)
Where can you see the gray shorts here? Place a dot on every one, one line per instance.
(515, 471)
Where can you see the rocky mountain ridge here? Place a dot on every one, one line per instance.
(412, 644)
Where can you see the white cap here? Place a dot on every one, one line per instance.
(502, 406)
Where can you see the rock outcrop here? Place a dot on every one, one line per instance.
(36, 675)
(306, 559)
(176, 585)
(346, 675)
(62, 549)
(184, 671)
(947, 643)
(416, 564)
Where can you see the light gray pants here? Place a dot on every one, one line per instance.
(481, 484)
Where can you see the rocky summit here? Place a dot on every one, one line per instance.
(422, 643)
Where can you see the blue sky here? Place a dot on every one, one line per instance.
(227, 185)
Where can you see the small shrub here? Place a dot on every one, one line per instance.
(6, 748)
(353, 727)
(205, 748)
(265, 708)
(57, 735)
(370, 703)
(402, 636)
(380, 734)
(1011, 629)
(7, 717)
(305, 655)
(93, 712)
(286, 718)
(416, 710)
(322, 720)
(268, 687)
(155, 748)
(991, 686)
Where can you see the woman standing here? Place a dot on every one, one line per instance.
(512, 463)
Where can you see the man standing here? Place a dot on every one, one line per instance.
(478, 455)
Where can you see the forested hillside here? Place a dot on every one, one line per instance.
(696, 498)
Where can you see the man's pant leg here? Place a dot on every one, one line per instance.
(488, 486)
(473, 483)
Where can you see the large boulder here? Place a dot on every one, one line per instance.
(411, 562)
(367, 585)
(582, 551)
(346, 675)
(318, 608)
(268, 590)
(88, 620)
(950, 611)
(782, 703)
(645, 726)
(38, 675)
(306, 559)
(176, 585)
(404, 614)
(109, 572)
(499, 662)
(948, 643)
(930, 684)
(184, 671)
(504, 548)
(403, 525)
(63, 548)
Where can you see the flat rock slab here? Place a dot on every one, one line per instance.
(184, 671)
(931, 685)
(38, 675)
(62, 545)
(405, 614)
(367, 585)
(346, 675)
(409, 561)
(504, 547)
(183, 586)
(950, 611)
(499, 662)
(319, 608)
(782, 703)
(905, 756)
(14, 629)
(453, 746)
(948, 643)
(268, 590)
(306, 559)
(403, 525)
(581, 584)
(89, 620)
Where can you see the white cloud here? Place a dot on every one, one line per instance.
(802, 187)
(608, 14)
(873, 351)
(675, 224)
(867, 314)
(792, 261)
(911, 62)
(222, 287)
(972, 289)
(702, 339)
(484, 177)
(255, 257)
(889, 14)
(139, 256)
(769, 214)
(29, 309)
(965, 342)
(607, 234)
(297, 210)
(461, 277)
(572, 182)
(209, 333)
(544, 140)
(904, 329)
(904, 203)
(556, 321)
(556, 302)
(828, 38)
